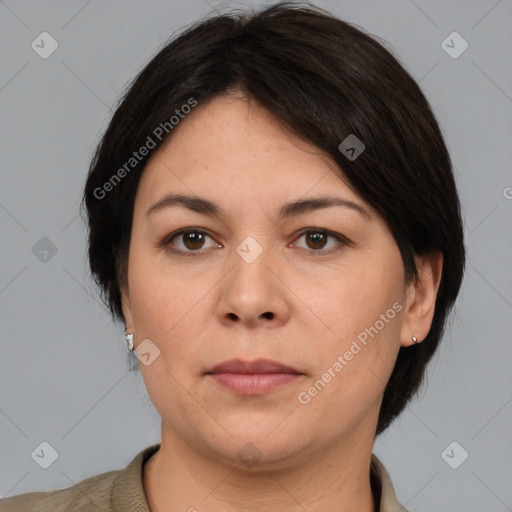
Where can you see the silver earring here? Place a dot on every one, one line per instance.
(129, 341)
(414, 339)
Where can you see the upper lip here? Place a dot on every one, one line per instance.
(252, 367)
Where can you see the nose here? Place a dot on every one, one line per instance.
(253, 294)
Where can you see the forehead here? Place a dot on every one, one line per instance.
(233, 148)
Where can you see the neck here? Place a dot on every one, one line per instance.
(178, 477)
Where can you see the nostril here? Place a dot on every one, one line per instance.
(268, 315)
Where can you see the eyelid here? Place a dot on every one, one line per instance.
(166, 242)
(341, 239)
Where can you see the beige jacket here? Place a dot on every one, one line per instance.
(122, 491)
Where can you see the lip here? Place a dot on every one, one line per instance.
(253, 377)
(258, 366)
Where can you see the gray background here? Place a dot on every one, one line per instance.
(64, 375)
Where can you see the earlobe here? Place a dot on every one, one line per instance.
(421, 298)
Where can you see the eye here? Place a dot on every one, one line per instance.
(193, 240)
(189, 241)
(317, 240)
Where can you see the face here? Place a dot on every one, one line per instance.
(320, 290)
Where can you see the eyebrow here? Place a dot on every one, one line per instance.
(287, 210)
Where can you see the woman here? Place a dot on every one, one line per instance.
(273, 215)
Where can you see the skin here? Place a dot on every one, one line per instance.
(212, 306)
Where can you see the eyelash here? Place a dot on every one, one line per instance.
(343, 241)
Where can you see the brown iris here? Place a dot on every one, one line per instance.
(193, 240)
(317, 238)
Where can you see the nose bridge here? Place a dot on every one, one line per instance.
(251, 260)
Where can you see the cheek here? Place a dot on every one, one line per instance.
(165, 314)
(160, 294)
(363, 312)
(171, 310)
(356, 300)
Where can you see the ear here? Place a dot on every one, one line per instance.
(125, 303)
(421, 296)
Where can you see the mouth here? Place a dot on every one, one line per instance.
(253, 377)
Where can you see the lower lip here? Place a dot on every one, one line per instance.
(253, 384)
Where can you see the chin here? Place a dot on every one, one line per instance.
(261, 454)
(265, 436)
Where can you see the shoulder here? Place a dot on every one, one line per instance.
(114, 491)
(92, 494)
(388, 498)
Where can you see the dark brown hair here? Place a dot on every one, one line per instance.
(324, 79)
